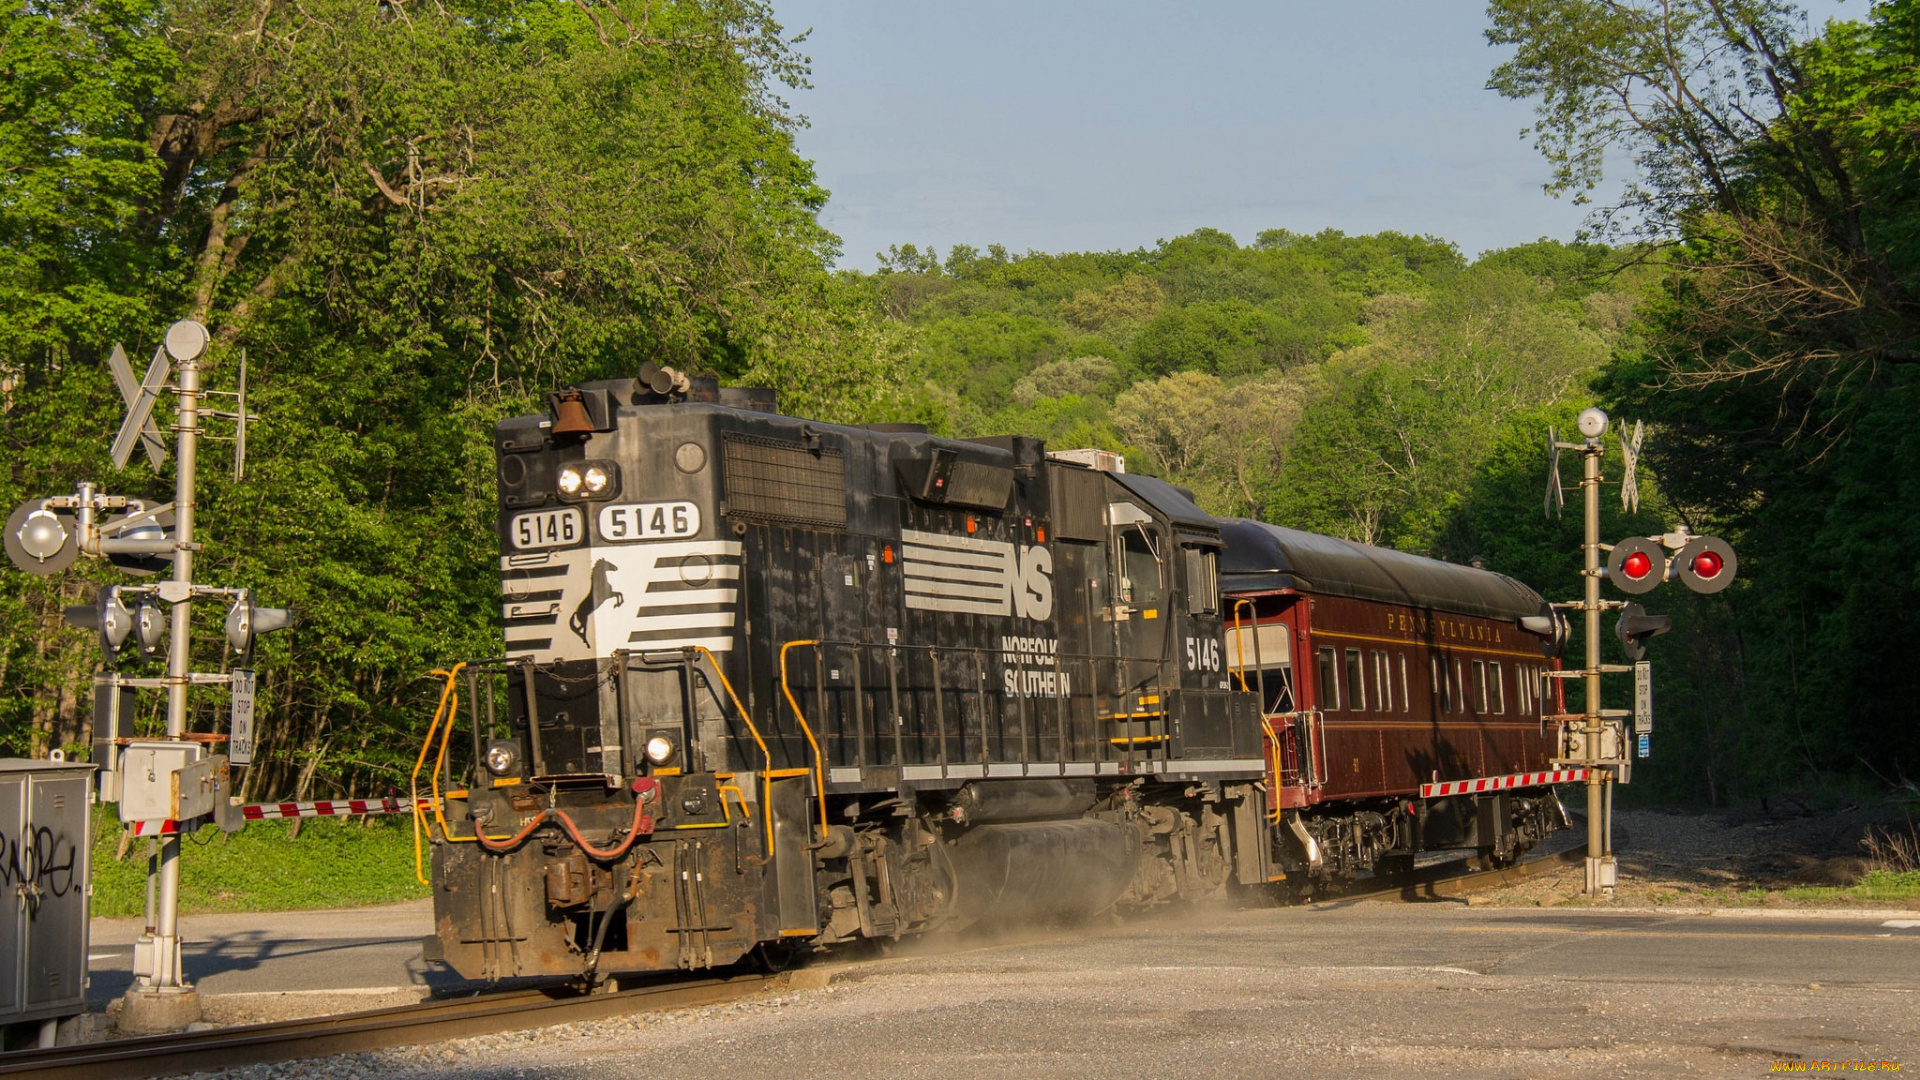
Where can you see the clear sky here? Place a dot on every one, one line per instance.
(1069, 126)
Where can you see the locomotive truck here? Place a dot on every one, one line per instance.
(770, 684)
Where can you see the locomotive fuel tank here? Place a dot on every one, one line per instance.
(1041, 871)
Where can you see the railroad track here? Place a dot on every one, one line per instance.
(1446, 880)
(376, 1029)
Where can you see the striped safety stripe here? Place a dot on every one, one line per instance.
(280, 811)
(1501, 783)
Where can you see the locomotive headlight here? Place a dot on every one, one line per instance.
(503, 757)
(660, 749)
(596, 479)
(571, 480)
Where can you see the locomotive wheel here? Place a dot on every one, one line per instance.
(774, 957)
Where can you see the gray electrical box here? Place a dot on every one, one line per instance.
(150, 783)
(45, 837)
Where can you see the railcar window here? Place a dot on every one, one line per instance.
(1459, 686)
(1202, 582)
(1356, 680)
(1382, 681)
(1279, 689)
(1478, 688)
(1406, 695)
(1329, 680)
(1140, 585)
(1442, 685)
(1498, 685)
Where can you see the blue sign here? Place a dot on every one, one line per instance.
(1645, 749)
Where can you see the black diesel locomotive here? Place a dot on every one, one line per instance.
(772, 683)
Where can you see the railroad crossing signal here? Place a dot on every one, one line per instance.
(108, 616)
(1705, 564)
(45, 536)
(1633, 627)
(40, 539)
(245, 622)
(1636, 565)
(140, 397)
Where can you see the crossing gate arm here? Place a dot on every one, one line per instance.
(1501, 783)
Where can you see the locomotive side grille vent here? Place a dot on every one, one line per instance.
(785, 483)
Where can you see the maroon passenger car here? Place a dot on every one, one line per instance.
(1403, 697)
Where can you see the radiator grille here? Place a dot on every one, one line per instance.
(785, 483)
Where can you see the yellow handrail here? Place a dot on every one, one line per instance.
(1239, 648)
(820, 776)
(1273, 751)
(745, 716)
(449, 704)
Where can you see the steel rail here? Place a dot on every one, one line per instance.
(1445, 882)
(375, 1029)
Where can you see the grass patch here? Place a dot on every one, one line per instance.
(333, 863)
(1879, 885)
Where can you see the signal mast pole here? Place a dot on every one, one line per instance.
(1600, 864)
(165, 979)
(1705, 564)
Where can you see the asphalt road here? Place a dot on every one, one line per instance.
(1372, 990)
(361, 949)
(1366, 989)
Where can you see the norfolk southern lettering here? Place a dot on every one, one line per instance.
(1033, 668)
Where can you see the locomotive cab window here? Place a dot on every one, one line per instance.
(1140, 569)
(1329, 680)
(1203, 582)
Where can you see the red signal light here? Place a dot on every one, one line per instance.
(1637, 565)
(1707, 564)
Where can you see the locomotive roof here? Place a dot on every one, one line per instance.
(1171, 501)
(1262, 558)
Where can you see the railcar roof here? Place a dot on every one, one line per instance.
(1262, 558)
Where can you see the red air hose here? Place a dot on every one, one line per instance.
(643, 788)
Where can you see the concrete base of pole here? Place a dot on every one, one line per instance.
(1600, 875)
(158, 1010)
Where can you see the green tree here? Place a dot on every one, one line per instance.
(1778, 354)
(411, 221)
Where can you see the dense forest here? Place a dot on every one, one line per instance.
(413, 220)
